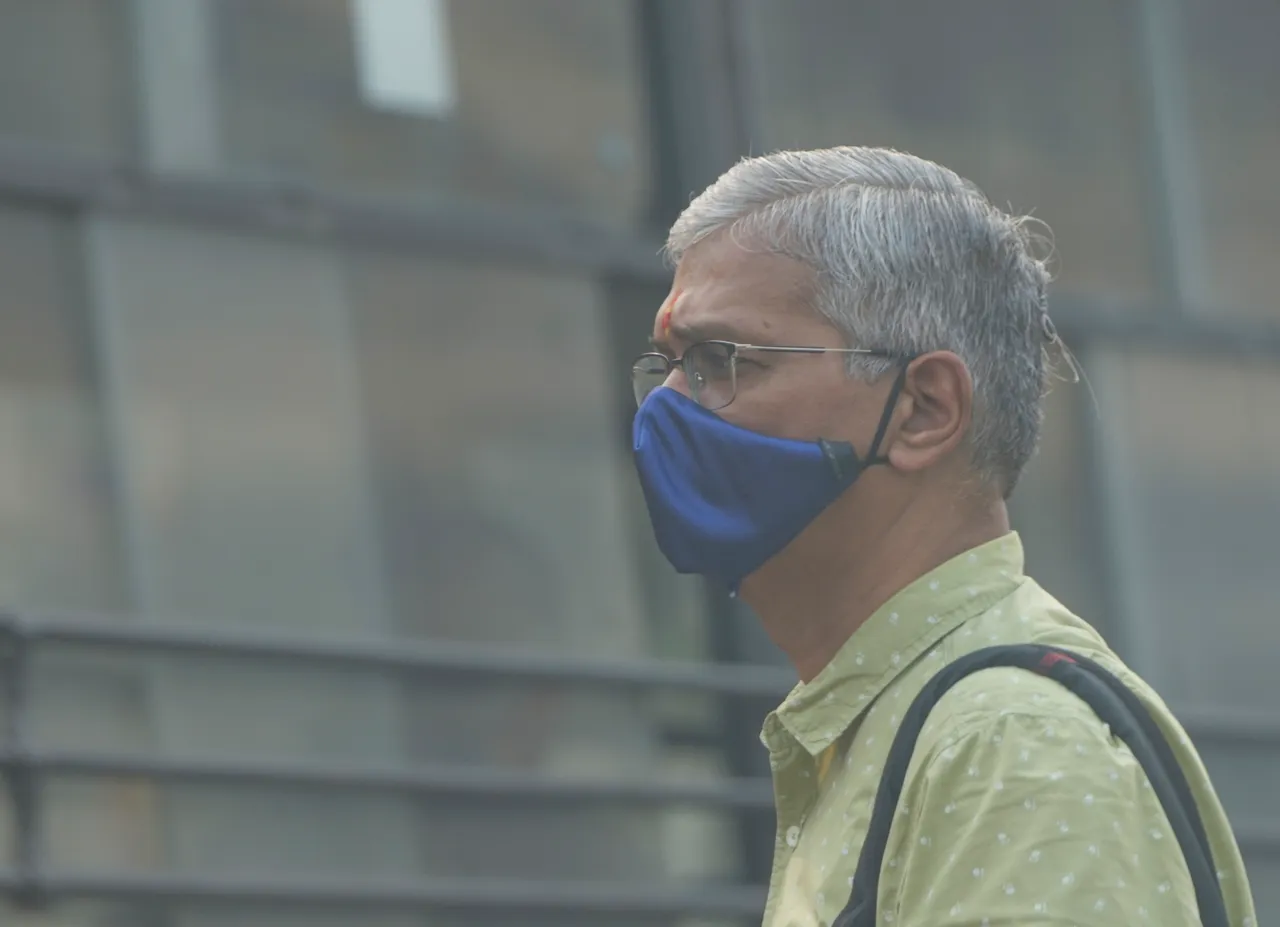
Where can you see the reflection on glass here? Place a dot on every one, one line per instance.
(1233, 72)
(1195, 446)
(87, 914)
(58, 545)
(1051, 509)
(230, 375)
(549, 102)
(231, 379)
(101, 823)
(491, 414)
(249, 915)
(66, 75)
(490, 411)
(675, 606)
(370, 446)
(59, 533)
(1264, 881)
(1244, 775)
(1039, 104)
(7, 832)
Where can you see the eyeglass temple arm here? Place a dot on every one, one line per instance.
(797, 349)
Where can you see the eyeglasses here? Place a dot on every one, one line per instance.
(711, 367)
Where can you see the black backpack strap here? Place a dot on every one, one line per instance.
(1112, 701)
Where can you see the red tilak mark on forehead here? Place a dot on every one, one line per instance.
(667, 310)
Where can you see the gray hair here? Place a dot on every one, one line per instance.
(910, 257)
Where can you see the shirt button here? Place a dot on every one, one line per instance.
(793, 836)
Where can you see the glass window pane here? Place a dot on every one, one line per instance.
(1264, 880)
(7, 833)
(100, 824)
(1244, 774)
(1195, 449)
(491, 413)
(82, 914)
(1233, 71)
(212, 828)
(490, 401)
(493, 400)
(1040, 104)
(86, 700)
(675, 606)
(232, 383)
(235, 829)
(66, 75)
(248, 915)
(58, 549)
(222, 914)
(200, 706)
(1051, 509)
(372, 445)
(547, 100)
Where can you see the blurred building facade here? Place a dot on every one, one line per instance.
(330, 597)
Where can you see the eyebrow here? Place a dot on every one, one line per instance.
(691, 334)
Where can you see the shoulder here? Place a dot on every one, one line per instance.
(1017, 810)
(1004, 698)
(1023, 726)
(1049, 748)
(1005, 702)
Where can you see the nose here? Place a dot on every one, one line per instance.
(677, 381)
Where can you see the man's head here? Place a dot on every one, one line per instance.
(871, 249)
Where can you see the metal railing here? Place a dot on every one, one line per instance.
(23, 764)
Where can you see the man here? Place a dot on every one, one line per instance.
(846, 383)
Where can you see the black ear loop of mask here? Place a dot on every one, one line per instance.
(841, 455)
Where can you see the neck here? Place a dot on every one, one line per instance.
(811, 602)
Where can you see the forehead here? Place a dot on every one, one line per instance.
(720, 283)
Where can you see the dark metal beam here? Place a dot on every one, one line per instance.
(1258, 837)
(1220, 725)
(707, 117)
(698, 99)
(401, 656)
(491, 894)
(475, 230)
(1171, 169)
(1105, 325)
(449, 226)
(479, 783)
(1230, 726)
(20, 779)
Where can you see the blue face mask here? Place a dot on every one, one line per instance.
(723, 499)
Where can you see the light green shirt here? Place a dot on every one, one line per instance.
(1019, 805)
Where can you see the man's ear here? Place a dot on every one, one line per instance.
(935, 409)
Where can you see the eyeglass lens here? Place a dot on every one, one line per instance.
(708, 366)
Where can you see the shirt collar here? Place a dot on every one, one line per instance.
(817, 713)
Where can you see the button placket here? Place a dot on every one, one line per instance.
(794, 790)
